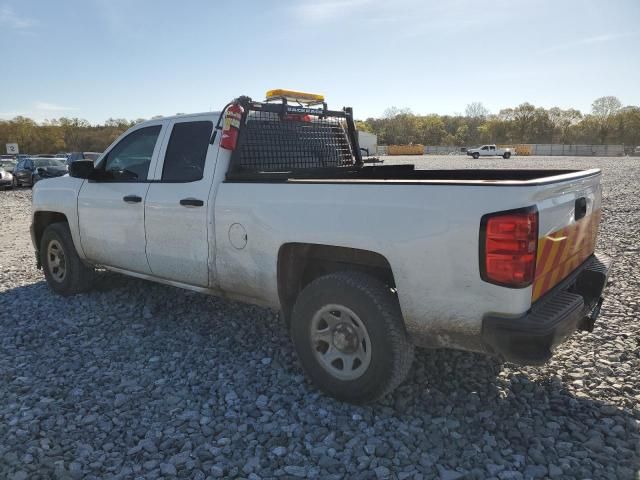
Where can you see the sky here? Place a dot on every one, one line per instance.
(100, 59)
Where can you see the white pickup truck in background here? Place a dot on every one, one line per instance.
(489, 151)
(270, 203)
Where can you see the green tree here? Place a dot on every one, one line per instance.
(562, 120)
(604, 110)
(476, 110)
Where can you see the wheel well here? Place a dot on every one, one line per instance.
(301, 263)
(41, 220)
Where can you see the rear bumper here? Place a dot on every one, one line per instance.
(573, 304)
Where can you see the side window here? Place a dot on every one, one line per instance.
(129, 160)
(492, 147)
(29, 164)
(186, 152)
(484, 148)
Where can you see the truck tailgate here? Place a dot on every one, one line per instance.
(569, 215)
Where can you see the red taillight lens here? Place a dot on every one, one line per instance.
(508, 247)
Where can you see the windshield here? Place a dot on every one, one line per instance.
(48, 162)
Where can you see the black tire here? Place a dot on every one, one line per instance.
(506, 155)
(391, 352)
(77, 277)
(475, 156)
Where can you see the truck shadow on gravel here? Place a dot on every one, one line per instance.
(132, 361)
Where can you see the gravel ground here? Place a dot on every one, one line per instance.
(142, 380)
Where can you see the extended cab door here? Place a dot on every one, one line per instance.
(177, 211)
(111, 209)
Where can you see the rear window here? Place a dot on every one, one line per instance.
(48, 162)
(269, 144)
(187, 151)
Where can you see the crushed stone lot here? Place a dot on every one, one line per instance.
(140, 380)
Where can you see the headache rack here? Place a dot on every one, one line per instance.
(280, 140)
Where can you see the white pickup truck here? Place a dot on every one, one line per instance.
(270, 203)
(489, 151)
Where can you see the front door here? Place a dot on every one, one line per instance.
(111, 208)
(178, 216)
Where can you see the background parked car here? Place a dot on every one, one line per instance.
(6, 178)
(73, 156)
(31, 170)
(8, 163)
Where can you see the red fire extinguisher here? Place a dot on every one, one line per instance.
(231, 128)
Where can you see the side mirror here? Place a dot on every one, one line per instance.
(81, 169)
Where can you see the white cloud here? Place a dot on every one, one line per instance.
(607, 37)
(51, 107)
(324, 10)
(39, 111)
(9, 18)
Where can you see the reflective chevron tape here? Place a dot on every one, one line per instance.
(561, 252)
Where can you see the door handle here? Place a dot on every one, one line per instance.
(132, 198)
(191, 202)
(580, 208)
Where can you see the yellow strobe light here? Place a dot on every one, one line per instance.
(293, 96)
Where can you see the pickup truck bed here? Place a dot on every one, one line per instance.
(365, 262)
(408, 174)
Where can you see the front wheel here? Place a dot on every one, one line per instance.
(506, 155)
(349, 335)
(64, 271)
(476, 156)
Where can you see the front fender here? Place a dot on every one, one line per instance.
(58, 195)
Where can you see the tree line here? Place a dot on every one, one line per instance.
(61, 135)
(607, 123)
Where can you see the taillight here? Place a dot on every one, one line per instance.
(508, 247)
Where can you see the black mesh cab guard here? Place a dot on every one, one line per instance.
(280, 139)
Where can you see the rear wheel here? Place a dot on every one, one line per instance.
(476, 156)
(64, 271)
(506, 155)
(349, 334)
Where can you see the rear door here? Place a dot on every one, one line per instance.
(177, 211)
(111, 210)
(569, 216)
